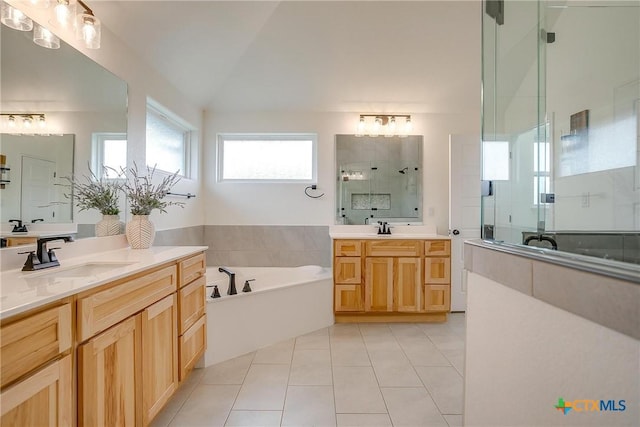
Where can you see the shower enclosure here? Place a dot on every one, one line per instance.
(560, 125)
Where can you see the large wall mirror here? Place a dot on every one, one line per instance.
(80, 101)
(378, 178)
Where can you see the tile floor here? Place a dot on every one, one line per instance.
(344, 375)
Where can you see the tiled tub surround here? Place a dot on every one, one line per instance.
(284, 302)
(267, 245)
(538, 330)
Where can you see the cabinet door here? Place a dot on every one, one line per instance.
(378, 286)
(437, 248)
(437, 298)
(191, 303)
(437, 270)
(193, 343)
(347, 248)
(43, 399)
(347, 270)
(347, 298)
(108, 371)
(408, 285)
(159, 355)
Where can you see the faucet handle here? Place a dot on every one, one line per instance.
(31, 262)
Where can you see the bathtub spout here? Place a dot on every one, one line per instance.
(231, 290)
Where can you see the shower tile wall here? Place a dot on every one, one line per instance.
(267, 246)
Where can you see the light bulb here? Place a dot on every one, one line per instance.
(26, 122)
(65, 11)
(39, 4)
(390, 129)
(42, 122)
(408, 127)
(361, 127)
(12, 122)
(375, 129)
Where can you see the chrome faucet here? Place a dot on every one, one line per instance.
(232, 280)
(43, 257)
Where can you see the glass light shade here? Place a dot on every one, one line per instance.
(45, 38)
(362, 126)
(27, 122)
(375, 128)
(42, 122)
(12, 122)
(88, 30)
(390, 128)
(14, 18)
(65, 12)
(408, 126)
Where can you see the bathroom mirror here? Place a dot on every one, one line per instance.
(378, 178)
(80, 101)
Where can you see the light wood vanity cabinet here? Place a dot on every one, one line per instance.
(134, 338)
(391, 280)
(37, 378)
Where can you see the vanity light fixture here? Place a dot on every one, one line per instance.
(14, 18)
(65, 12)
(384, 124)
(28, 121)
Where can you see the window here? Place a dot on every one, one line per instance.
(495, 160)
(541, 170)
(267, 157)
(109, 154)
(168, 140)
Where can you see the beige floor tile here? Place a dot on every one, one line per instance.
(229, 372)
(356, 390)
(363, 420)
(381, 342)
(279, 353)
(447, 341)
(264, 388)
(313, 342)
(445, 386)
(162, 419)
(453, 420)
(208, 405)
(350, 330)
(456, 357)
(375, 330)
(180, 396)
(412, 407)
(311, 367)
(393, 369)
(348, 355)
(254, 419)
(424, 353)
(410, 330)
(309, 406)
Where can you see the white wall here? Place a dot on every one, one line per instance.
(531, 354)
(143, 81)
(286, 204)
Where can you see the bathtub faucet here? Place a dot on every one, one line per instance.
(232, 280)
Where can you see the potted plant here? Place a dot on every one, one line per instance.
(144, 197)
(101, 194)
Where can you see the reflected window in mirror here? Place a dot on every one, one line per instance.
(169, 139)
(109, 154)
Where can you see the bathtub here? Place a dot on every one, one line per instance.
(285, 302)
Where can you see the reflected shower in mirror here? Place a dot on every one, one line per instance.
(378, 178)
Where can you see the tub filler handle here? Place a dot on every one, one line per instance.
(247, 287)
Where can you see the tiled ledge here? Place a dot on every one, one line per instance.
(605, 294)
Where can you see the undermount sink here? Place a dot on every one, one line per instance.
(83, 270)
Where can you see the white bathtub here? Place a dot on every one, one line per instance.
(284, 303)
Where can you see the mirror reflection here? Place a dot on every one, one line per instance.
(82, 102)
(378, 178)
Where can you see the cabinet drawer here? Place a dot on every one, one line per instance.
(34, 340)
(437, 270)
(347, 248)
(437, 298)
(191, 268)
(192, 345)
(404, 248)
(105, 308)
(437, 248)
(347, 270)
(43, 399)
(348, 298)
(191, 303)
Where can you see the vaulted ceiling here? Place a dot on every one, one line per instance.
(339, 56)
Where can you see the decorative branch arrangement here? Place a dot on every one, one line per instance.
(92, 192)
(145, 196)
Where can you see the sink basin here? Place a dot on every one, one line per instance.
(83, 270)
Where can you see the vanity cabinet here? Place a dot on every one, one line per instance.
(390, 280)
(37, 378)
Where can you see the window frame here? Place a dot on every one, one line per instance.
(155, 108)
(98, 146)
(222, 137)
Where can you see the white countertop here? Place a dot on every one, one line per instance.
(21, 291)
(405, 232)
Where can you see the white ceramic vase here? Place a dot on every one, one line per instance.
(140, 232)
(109, 225)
